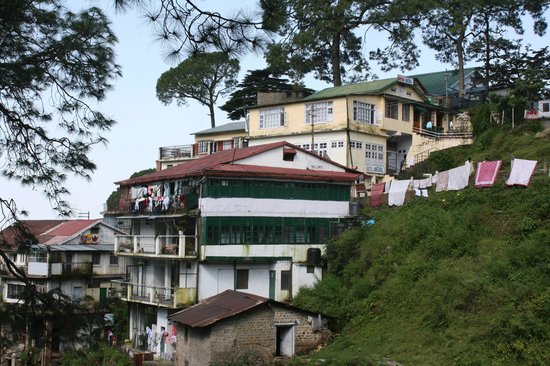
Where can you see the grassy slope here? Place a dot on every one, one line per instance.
(460, 278)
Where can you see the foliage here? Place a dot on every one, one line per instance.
(459, 278)
(203, 77)
(320, 37)
(455, 29)
(255, 81)
(52, 62)
(102, 355)
(184, 26)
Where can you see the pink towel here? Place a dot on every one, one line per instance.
(521, 172)
(376, 193)
(487, 173)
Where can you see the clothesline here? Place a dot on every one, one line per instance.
(453, 180)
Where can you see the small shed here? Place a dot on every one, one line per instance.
(233, 325)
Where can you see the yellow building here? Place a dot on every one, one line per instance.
(377, 127)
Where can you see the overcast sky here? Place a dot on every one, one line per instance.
(144, 123)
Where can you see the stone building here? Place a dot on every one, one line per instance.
(233, 325)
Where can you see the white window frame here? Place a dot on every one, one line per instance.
(272, 118)
(336, 144)
(389, 104)
(204, 147)
(227, 145)
(354, 144)
(321, 112)
(364, 112)
(374, 157)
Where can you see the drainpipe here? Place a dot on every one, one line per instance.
(348, 150)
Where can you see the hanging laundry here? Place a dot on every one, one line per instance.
(422, 183)
(487, 172)
(521, 172)
(398, 189)
(442, 181)
(376, 193)
(458, 177)
(421, 192)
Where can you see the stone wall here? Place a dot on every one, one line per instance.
(251, 334)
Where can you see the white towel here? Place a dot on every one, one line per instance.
(422, 183)
(458, 177)
(521, 172)
(398, 189)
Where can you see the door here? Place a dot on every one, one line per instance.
(272, 285)
(285, 340)
(102, 295)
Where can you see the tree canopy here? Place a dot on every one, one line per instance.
(53, 63)
(203, 77)
(322, 37)
(255, 81)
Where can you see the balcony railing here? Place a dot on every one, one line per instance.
(441, 134)
(182, 246)
(172, 297)
(177, 152)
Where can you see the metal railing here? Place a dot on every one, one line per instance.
(443, 134)
(177, 152)
(157, 295)
(160, 245)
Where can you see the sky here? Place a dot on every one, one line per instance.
(144, 123)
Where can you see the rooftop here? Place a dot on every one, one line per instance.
(228, 127)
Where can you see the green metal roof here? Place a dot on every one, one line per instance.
(438, 83)
(228, 127)
(369, 87)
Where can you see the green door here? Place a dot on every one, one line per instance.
(102, 295)
(272, 285)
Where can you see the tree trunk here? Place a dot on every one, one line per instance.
(336, 76)
(460, 58)
(487, 58)
(212, 116)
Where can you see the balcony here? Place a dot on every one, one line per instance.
(176, 152)
(166, 205)
(169, 297)
(169, 246)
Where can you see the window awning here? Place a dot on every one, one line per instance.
(419, 108)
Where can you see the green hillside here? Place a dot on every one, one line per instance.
(460, 278)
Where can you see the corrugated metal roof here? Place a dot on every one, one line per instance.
(228, 127)
(213, 162)
(256, 171)
(439, 83)
(12, 235)
(218, 307)
(78, 247)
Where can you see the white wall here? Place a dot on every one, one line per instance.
(272, 207)
(274, 158)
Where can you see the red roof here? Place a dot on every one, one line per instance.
(44, 231)
(221, 160)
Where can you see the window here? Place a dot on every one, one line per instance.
(237, 143)
(392, 109)
(242, 279)
(546, 107)
(356, 144)
(286, 280)
(310, 269)
(406, 113)
(203, 147)
(78, 293)
(15, 291)
(364, 112)
(96, 259)
(336, 144)
(319, 112)
(113, 260)
(227, 145)
(374, 155)
(306, 146)
(272, 118)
